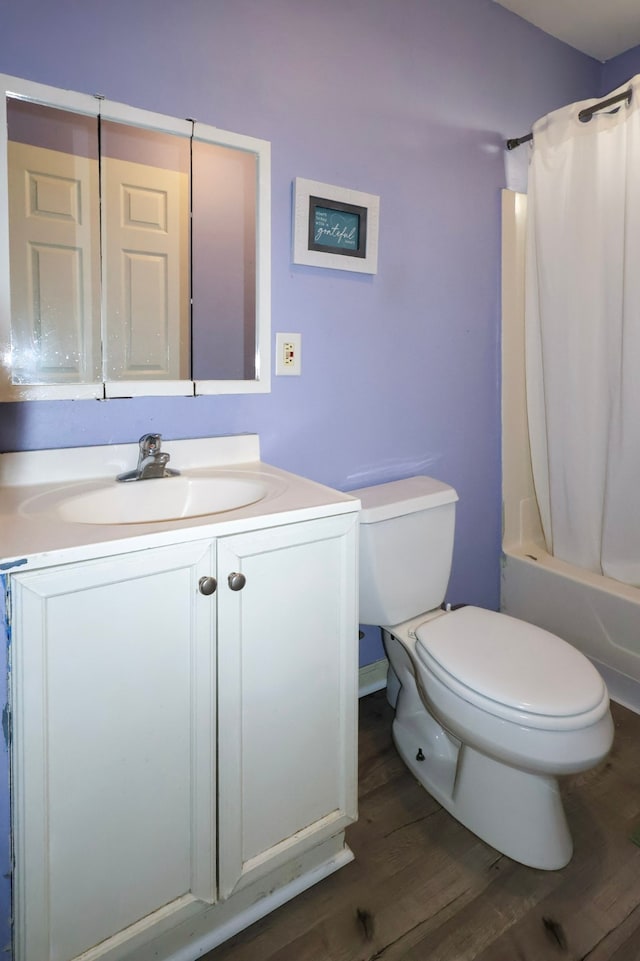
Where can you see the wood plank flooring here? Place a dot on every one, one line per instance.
(423, 888)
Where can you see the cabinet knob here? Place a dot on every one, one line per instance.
(237, 581)
(207, 585)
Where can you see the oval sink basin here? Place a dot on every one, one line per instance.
(165, 499)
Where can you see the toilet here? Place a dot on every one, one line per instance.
(489, 710)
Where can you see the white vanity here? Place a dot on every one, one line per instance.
(183, 696)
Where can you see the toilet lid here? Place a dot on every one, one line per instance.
(510, 662)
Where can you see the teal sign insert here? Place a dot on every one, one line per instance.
(337, 228)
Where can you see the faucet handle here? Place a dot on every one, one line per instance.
(150, 444)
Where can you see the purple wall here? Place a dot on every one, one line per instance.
(408, 99)
(619, 70)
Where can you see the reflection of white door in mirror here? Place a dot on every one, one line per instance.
(145, 220)
(102, 307)
(145, 253)
(55, 266)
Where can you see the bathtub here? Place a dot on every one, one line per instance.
(599, 616)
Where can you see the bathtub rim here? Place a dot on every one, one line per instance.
(623, 687)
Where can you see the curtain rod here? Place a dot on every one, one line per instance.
(584, 115)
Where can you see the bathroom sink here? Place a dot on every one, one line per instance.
(165, 499)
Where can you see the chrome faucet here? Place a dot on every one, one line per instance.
(152, 461)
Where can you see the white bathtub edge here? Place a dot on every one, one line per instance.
(598, 616)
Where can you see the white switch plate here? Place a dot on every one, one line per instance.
(288, 355)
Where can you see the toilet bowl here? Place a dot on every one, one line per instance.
(492, 761)
(489, 709)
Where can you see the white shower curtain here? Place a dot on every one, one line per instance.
(583, 334)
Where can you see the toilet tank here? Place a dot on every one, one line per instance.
(406, 545)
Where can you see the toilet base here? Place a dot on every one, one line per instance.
(516, 812)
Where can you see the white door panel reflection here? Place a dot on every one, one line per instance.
(145, 254)
(55, 265)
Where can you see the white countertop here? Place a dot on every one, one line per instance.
(32, 534)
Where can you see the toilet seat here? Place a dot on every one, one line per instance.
(512, 670)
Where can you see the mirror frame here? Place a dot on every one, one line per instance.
(97, 106)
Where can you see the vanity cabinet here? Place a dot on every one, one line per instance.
(173, 748)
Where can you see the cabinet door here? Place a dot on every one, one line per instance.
(113, 751)
(287, 661)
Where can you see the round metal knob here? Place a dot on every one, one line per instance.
(237, 581)
(207, 585)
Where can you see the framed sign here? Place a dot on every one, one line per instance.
(335, 227)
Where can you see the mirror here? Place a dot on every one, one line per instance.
(137, 250)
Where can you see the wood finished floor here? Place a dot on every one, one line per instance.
(423, 888)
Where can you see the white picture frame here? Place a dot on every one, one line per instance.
(335, 227)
